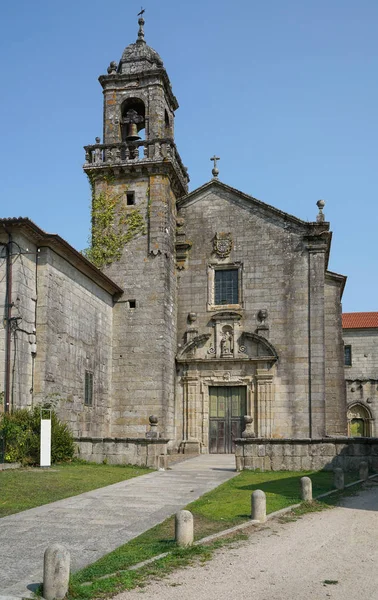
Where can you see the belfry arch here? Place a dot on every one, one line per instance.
(133, 119)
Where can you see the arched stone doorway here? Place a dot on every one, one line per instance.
(360, 422)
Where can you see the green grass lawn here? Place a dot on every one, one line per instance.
(224, 507)
(27, 488)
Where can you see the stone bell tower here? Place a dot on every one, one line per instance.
(136, 176)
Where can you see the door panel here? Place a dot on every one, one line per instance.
(228, 406)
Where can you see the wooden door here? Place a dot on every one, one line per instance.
(228, 405)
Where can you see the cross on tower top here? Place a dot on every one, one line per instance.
(215, 170)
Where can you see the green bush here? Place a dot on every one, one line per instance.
(21, 430)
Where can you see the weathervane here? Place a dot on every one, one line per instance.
(215, 170)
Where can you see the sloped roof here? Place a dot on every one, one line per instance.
(63, 248)
(216, 183)
(360, 320)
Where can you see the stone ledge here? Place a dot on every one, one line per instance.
(305, 454)
(142, 452)
(127, 440)
(5, 466)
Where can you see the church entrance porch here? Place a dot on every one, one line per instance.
(227, 407)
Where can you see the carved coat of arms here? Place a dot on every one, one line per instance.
(222, 244)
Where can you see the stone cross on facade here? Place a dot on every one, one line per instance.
(215, 170)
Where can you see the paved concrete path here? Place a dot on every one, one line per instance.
(292, 561)
(94, 523)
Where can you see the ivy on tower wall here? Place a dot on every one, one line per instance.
(113, 226)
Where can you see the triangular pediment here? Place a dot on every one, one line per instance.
(234, 196)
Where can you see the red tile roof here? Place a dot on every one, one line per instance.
(360, 320)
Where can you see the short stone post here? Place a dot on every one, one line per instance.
(184, 531)
(364, 470)
(306, 489)
(56, 572)
(258, 506)
(339, 479)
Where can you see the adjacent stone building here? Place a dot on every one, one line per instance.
(360, 333)
(206, 306)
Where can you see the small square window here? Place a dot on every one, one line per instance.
(132, 303)
(88, 397)
(226, 286)
(130, 198)
(348, 356)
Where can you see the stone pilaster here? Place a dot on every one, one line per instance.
(316, 337)
(264, 397)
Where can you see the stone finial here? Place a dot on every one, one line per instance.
(249, 431)
(215, 170)
(262, 315)
(153, 432)
(98, 140)
(320, 216)
(141, 29)
(112, 68)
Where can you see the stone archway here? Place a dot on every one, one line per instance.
(360, 422)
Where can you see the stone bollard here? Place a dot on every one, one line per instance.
(184, 533)
(258, 506)
(339, 478)
(306, 489)
(56, 572)
(364, 470)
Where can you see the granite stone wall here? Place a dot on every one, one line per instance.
(306, 454)
(74, 335)
(282, 266)
(144, 337)
(335, 411)
(362, 376)
(23, 315)
(124, 451)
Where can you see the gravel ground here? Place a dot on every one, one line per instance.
(289, 561)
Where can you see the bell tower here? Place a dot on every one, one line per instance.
(136, 175)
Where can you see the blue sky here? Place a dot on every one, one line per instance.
(285, 92)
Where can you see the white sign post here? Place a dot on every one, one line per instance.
(45, 451)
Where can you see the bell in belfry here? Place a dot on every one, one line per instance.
(131, 120)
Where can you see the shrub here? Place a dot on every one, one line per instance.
(21, 430)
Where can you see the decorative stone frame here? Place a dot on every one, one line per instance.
(368, 420)
(196, 413)
(211, 268)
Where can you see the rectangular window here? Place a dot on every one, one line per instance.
(88, 398)
(348, 356)
(130, 198)
(226, 286)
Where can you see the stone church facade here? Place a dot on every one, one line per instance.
(206, 307)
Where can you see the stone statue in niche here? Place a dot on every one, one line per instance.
(227, 342)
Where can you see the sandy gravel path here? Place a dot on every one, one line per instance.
(289, 561)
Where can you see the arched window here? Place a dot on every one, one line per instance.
(359, 421)
(133, 119)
